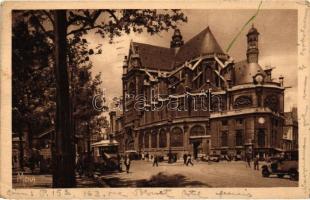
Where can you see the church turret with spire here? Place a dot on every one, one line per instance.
(252, 51)
(177, 39)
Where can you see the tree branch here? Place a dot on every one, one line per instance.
(111, 12)
(47, 33)
(89, 22)
(49, 16)
(84, 28)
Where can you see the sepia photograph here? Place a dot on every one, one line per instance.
(154, 98)
(155, 102)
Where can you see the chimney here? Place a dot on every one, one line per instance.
(281, 81)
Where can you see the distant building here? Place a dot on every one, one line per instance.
(290, 131)
(166, 91)
(116, 122)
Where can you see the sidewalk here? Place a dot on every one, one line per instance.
(28, 180)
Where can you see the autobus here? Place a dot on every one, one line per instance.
(106, 156)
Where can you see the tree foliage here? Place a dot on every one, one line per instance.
(34, 60)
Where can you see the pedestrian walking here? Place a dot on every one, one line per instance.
(189, 160)
(185, 158)
(256, 163)
(79, 165)
(31, 164)
(119, 159)
(248, 159)
(127, 163)
(155, 160)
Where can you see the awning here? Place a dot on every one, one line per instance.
(131, 151)
(105, 143)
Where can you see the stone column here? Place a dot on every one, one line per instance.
(185, 137)
(150, 139)
(168, 136)
(157, 136)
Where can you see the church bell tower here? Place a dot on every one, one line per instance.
(252, 51)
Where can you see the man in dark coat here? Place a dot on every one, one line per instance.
(155, 161)
(185, 158)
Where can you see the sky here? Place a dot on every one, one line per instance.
(277, 44)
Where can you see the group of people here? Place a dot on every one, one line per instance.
(36, 163)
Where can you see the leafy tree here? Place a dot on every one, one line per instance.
(61, 26)
(33, 96)
(84, 88)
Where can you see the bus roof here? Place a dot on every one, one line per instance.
(105, 143)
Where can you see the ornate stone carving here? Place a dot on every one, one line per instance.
(243, 101)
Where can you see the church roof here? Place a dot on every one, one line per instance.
(162, 58)
(155, 57)
(245, 71)
(201, 44)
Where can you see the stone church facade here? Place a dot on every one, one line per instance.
(194, 98)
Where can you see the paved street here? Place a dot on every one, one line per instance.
(202, 174)
(142, 174)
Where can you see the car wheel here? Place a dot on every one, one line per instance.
(265, 173)
(280, 175)
(293, 175)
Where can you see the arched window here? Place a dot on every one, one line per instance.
(216, 103)
(146, 140)
(176, 137)
(197, 131)
(132, 89)
(261, 138)
(272, 103)
(224, 139)
(162, 138)
(154, 139)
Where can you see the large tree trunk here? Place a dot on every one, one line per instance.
(64, 151)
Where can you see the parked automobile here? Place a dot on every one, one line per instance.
(201, 156)
(238, 157)
(281, 167)
(133, 154)
(214, 158)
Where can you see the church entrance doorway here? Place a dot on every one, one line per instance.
(196, 149)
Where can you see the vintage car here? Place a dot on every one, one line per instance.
(105, 155)
(281, 167)
(133, 154)
(214, 158)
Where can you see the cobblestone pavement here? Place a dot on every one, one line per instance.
(143, 174)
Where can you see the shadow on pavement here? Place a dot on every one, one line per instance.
(158, 180)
